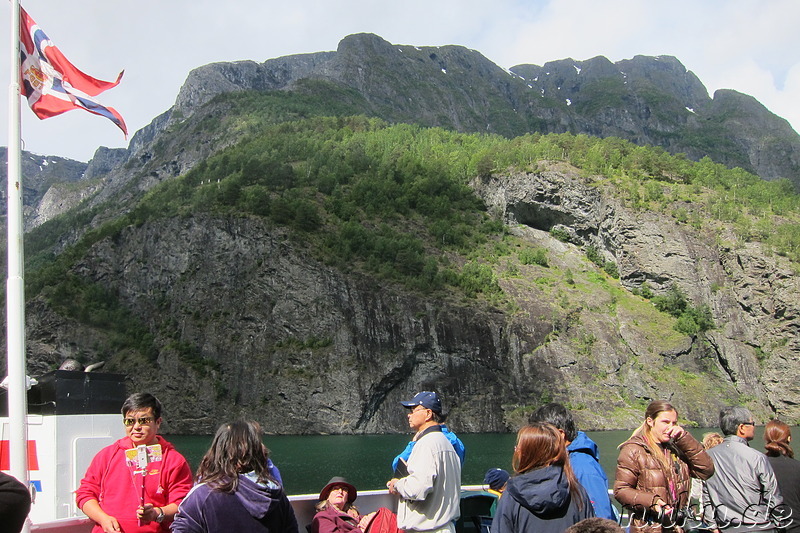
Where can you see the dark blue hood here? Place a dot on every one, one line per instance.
(257, 498)
(584, 444)
(541, 491)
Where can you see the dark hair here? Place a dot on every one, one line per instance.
(141, 401)
(730, 418)
(595, 525)
(776, 439)
(236, 449)
(540, 445)
(557, 415)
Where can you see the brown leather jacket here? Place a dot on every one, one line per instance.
(641, 480)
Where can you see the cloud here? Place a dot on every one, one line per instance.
(747, 45)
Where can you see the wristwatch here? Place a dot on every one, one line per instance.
(160, 517)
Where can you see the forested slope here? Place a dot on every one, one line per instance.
(318, 269)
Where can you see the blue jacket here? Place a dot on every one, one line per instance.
(458, 446)
(584, 458)
(273, 471)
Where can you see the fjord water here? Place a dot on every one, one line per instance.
(308, 462)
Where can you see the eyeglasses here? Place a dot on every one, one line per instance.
(417, 409)
(748, 423)
(143, 421)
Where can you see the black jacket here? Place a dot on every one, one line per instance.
(15, 502)
(539, 501)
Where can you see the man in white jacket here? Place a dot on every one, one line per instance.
(430, 493)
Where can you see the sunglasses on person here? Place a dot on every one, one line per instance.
(748, 423)
(143, 421)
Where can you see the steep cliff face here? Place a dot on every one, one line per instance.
(292, 342)
(762, 140)
(247, 323)
(755, 345)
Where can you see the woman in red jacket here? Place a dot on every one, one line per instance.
(337, 514)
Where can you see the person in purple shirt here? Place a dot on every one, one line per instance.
(235, 491)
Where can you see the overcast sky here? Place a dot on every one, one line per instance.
(752, 46)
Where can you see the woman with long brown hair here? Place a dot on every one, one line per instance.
(654, 468)
(543, 496)
(777, 439)
(235, 490)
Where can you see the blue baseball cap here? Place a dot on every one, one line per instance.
(496, 478)
(427, 399)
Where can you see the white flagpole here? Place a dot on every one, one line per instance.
(15, 283)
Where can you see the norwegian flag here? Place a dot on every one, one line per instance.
(52, 84)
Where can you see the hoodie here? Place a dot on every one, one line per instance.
(584, 458)
(539, 501)
(458, 446)
(110, 481)
(253, 508)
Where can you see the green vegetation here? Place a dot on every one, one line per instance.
(394, 201)
(312, 343)
(560, 233)
(593, 255)
(533, 256)
(98, 308)
(691, 319)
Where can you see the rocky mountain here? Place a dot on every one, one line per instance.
(646, 100)
(248, 323)
(237, 315)
(49, 187)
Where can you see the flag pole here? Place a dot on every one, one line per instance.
(15, 283)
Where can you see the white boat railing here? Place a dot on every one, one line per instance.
(303, 505)
(75, 524)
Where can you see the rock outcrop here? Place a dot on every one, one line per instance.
(247, 323)
(750, 291)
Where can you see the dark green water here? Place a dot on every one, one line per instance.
(308, 462)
